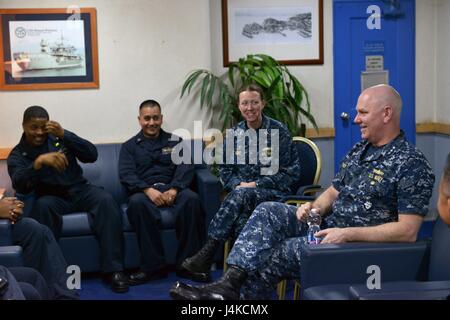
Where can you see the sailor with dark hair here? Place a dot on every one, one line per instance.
(154, 181)
(45, 163)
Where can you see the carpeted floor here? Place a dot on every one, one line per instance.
(93, 288)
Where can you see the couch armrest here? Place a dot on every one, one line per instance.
(11, 256)
(327, 264)
(209, 188)
(5, 232)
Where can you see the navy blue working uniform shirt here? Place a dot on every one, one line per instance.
(146, 162)
(288, 173)
(47, 180)
(375, 186)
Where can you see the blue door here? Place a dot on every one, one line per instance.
(374, 42)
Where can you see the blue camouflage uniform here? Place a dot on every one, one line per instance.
(374, 184)
(145, 163)
(240, 203)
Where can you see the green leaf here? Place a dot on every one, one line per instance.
(274, 85)
(211, 91)
(231, 74)
(190, 81)
(205, 84)
(286, 98)
(262, 79)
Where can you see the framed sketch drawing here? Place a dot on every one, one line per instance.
(291, 31)
(48, 49)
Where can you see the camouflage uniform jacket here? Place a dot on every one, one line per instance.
(374, 189)
(285, 155)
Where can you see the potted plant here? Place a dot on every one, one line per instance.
(286, 98)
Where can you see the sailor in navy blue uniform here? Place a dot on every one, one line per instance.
(45, 163)
(154, 182)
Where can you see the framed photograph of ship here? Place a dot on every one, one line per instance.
(48, 49)
(291, 31)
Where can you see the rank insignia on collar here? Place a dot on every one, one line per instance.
(166, 150)
(378, 172)
(267, 152)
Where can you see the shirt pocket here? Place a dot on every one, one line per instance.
(165, 158)
(382, 189)
(143, 159)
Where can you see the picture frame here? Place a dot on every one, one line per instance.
(291, 31)
(48, 49)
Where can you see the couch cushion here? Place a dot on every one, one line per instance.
(78, 224)
(327, 292)
(104, 172)
(11, 256)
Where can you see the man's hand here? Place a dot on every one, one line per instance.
(303, 211)
(56, 160)
(333, 235)
(11, 208)
(246, 185)
(55, 129)
(156, 196)
(170, 196)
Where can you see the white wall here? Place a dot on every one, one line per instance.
(146, 49)
(318, 80)
(426, 88)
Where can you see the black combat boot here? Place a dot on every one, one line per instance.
(198, 266)
(227, 287)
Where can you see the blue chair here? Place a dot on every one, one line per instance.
(311, 167)
(418, 270)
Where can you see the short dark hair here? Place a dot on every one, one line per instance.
(149, 103)
(252, 87)
(35, 112)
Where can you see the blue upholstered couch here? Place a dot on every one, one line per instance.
(77, 242)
